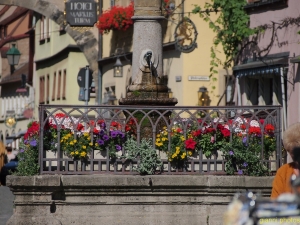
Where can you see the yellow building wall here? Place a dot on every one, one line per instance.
(70, 61)
(176, 64)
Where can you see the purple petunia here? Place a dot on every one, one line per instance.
(33, 143)
(245, 164)
(118, 148)
(231, 153)
(100, 142)
(240, 172)
(21, 150)
(114, 134)
(105, 137)
(245, 141)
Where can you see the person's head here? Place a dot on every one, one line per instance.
(291, 138)
(8, 148)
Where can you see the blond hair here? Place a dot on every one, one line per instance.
(2, 154)
(291, 138)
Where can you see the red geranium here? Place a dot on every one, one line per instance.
(225, 132)
(269, 128)
(117, 17)
(196, 133)
(33, 129)
(190, 144)
(254, 130)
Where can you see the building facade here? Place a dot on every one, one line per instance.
(268, 71)
(16, 99)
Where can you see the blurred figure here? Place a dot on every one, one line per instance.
(291, 143)
(11, 163)
(2, 156)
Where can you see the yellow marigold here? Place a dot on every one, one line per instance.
(170, 159)
(91, 144)
(158, 144)
(158, 140)
(165, 133)
(75, 141)
(96, 144)
(72, 153)
(182, 138)
(164, 139)
(76, 152)
(158, 135)
(190, 153)
(71, 143)
(174, 155)
(177, 150)
(89, 138)
(183, 155)
(190, 136)
(83, 154)
(164, 128)
(85, 134)
(84, 147)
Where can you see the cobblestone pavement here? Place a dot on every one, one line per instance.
(6, 204)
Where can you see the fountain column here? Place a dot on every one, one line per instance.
(147, 63)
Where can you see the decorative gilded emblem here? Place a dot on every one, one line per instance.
(10, 119)
(186, 36)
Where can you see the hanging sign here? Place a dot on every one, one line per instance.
(185, 36)
(81, 12)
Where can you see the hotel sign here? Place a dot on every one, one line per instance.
(202, 78)
(81, 12)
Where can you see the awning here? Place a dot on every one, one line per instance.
(259, 72)
(295, 59)
(21, 134)
(267, 67)
(9, 141)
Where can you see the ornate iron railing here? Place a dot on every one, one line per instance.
(155, 123)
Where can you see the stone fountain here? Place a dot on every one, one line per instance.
(147, 61)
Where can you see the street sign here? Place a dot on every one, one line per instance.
(81, 12)
(81, 77)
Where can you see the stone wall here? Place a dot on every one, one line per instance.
(136, 200)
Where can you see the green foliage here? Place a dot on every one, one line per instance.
(149, 161)
(243, 156)
(231, 28)
(28, 161)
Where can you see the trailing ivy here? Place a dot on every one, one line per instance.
(231, 28)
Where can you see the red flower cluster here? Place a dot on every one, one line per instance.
(254, 130)
(33, 129)
(269, 128)
(117, 17)
(190, 144)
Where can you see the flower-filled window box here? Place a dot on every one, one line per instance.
(117, 18)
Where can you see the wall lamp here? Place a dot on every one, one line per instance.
(118, 68)
(13, 57)
(203, 97)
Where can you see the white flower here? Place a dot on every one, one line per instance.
(254, 123)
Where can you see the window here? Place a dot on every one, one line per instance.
(48, 89)
(54, 87)
(64, 85)
(45, 29)
(58, 85)
(112, 3)
(42, 90)
(42, 24)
